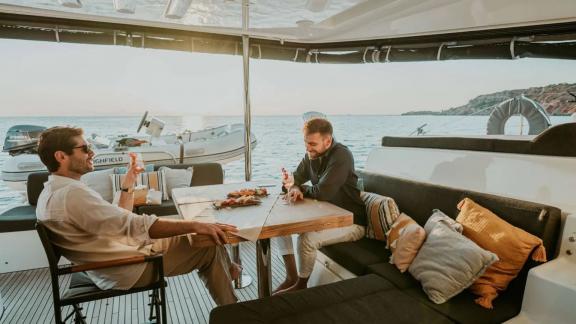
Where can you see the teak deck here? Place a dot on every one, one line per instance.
(28, 296)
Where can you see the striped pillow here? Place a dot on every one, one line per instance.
(152, 180)
(381, 213)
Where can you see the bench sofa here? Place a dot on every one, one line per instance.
(23, 218)
(380, 293)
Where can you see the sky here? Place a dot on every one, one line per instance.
(55, 79)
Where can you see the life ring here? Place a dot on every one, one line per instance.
(536, 115)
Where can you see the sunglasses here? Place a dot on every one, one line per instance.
(86, 148)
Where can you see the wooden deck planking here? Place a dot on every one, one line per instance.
(28, 296)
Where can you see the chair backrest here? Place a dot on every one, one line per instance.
(52, 252)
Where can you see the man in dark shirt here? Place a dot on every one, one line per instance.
(329, 166)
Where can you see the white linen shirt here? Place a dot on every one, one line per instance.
(87, 229)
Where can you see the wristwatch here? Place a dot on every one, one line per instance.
(127, 190)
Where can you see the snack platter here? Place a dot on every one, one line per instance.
(241, 198)
(256, 192)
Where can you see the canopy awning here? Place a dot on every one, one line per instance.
(345, 31)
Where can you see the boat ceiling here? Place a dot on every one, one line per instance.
(300, 24)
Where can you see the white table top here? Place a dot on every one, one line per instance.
(275, 216)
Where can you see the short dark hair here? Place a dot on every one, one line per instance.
(56, 139)
(318, 125)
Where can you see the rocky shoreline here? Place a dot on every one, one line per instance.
(555, 98)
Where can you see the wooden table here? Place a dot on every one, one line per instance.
(273, 218)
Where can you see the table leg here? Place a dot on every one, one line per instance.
(264, 267)
(243, 280)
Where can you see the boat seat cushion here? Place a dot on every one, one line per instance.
(391, 273)
(462, 308)
(357, 256)
(166, 208)
(35, 185)
(367, 299)
(20, 218)
(418, 199)
(100, 182)
(177, 178)
(204, 173)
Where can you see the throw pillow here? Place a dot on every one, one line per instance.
(512, 245)
(99, 181)
(177, 178)
(151, 180)
(448, 262)
(140, 196)
(404, 240)
(381, 213)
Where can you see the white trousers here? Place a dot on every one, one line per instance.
(310, 242)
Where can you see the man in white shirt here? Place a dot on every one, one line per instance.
(87, 228)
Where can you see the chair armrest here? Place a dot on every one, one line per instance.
(157, 258)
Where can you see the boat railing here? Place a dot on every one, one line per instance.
(170, 155)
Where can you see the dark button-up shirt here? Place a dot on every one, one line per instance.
(333, 179)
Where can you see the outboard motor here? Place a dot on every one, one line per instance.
(22, 139)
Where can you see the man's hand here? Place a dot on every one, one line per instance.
(216, 231)
(295, 194)
(133, 171)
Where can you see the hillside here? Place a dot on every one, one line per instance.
(554, 98)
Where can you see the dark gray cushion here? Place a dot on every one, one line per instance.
(203, 174)
(559, 140)
(165, 209)
(357, 256)
(391, 273)
(367, 299)
(461, 308)
(20, 218)
(459, 143)
(35, 185)
(417, 199)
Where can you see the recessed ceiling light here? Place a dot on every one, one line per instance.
(317, 5)
(71, 3)
(125, 6)
(177, 9)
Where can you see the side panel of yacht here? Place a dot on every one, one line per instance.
(551, 287)
(21, 251)
(543, 179)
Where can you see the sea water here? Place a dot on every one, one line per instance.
(280, 143)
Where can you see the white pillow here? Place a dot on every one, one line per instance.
(99, 181)
(448, 262)
(177, 178)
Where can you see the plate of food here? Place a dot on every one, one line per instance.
(256, 192)
(242, 201)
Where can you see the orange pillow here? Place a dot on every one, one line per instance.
(404, 240)
(512, 245)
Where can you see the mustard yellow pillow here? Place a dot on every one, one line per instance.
(512, 245)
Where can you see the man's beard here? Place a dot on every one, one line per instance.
(80, 166)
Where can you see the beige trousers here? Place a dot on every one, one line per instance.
(180, 257)
(310, 242)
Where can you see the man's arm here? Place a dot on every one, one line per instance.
(334, 177)
(94, 215)
(172, 227)
(126, 200)
(302, 175)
